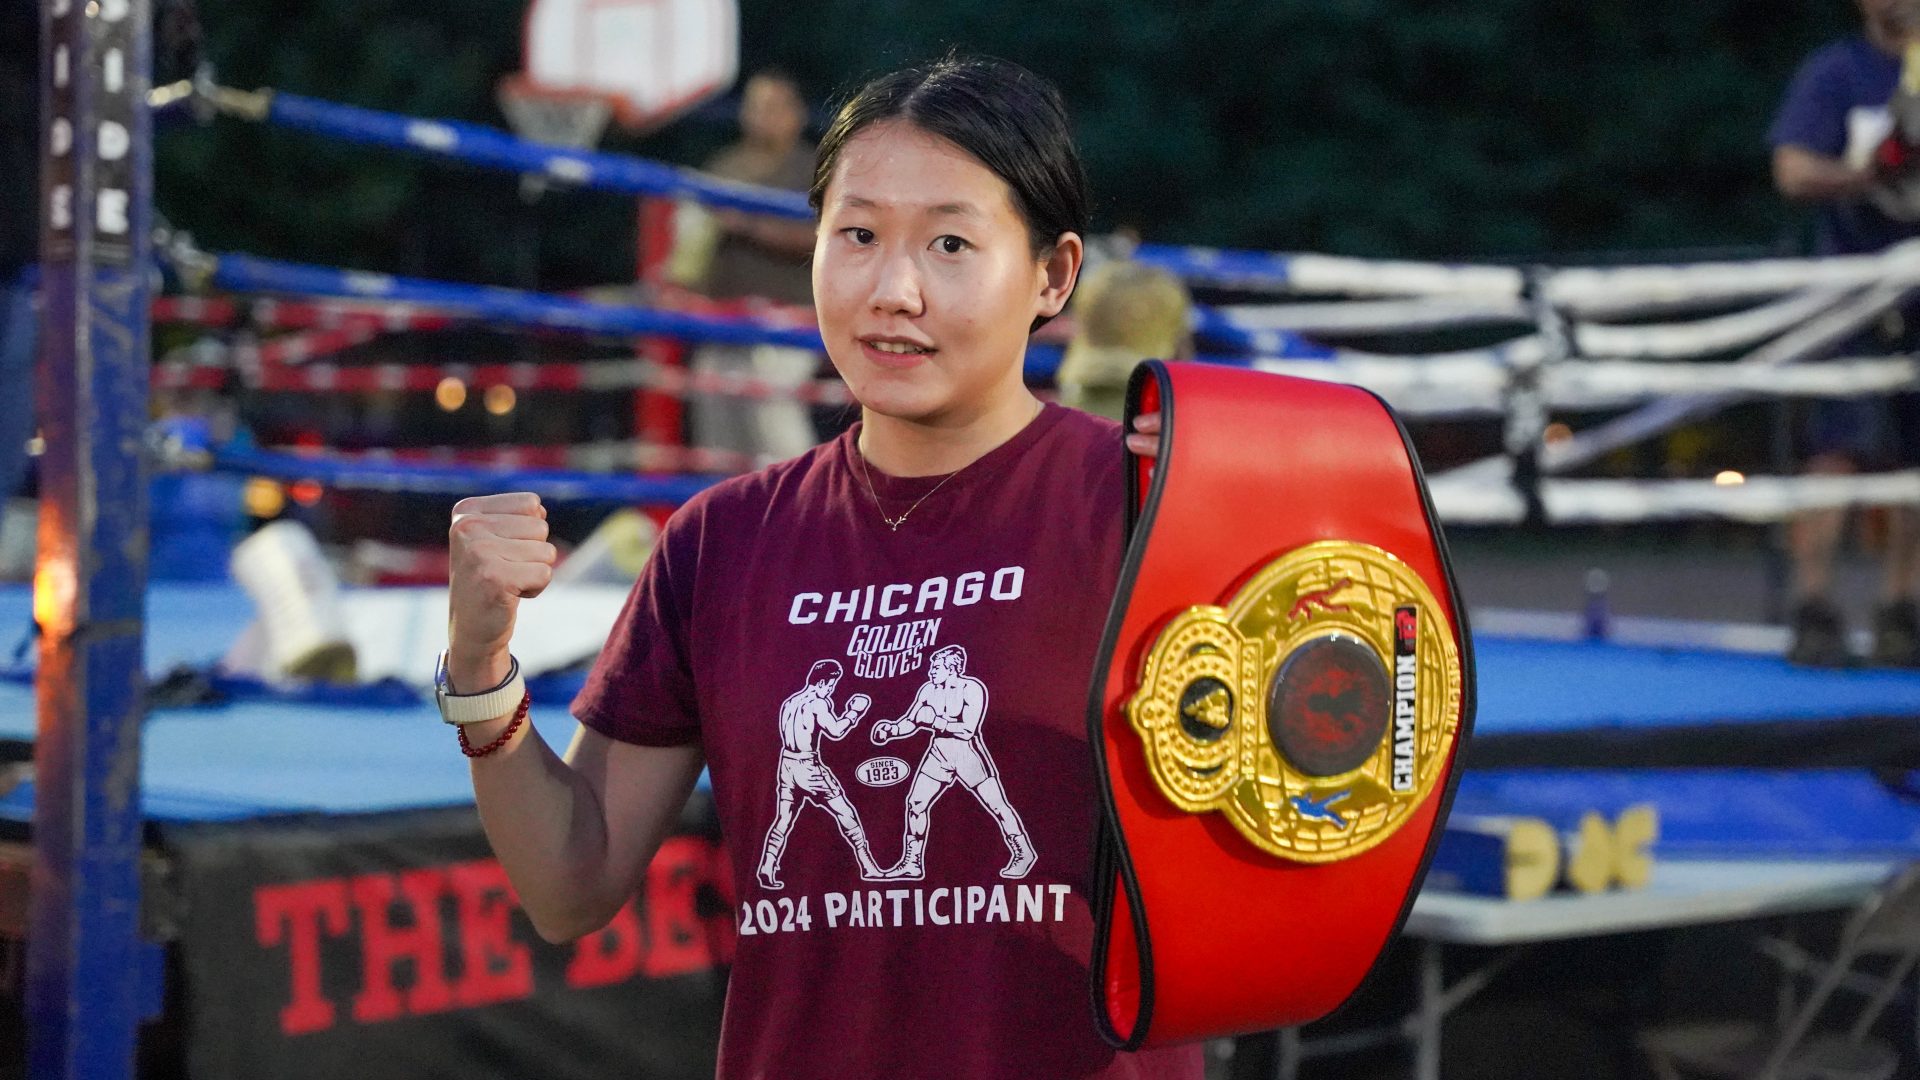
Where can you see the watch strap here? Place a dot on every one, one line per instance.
(463, 709)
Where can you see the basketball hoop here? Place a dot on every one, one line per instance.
(570, 118)
(653, 59)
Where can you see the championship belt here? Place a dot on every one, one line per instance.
(1282, 688)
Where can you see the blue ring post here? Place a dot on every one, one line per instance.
(84, 990)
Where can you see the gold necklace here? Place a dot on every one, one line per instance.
(893, 522)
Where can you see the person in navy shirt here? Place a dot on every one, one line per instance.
(1828, 140)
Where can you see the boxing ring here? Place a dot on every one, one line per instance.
(313, 892)
(292, 841)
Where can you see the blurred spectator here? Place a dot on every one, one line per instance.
(19, 231)
(1832, 148)
(729, 254)
(1123, 312)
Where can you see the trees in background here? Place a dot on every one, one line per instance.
(1526, 129)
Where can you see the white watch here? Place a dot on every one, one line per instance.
(463, 709)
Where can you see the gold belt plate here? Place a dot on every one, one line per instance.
(1316, 710)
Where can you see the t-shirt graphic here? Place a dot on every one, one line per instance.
(952, 705)
(895, 729)
(805, 718)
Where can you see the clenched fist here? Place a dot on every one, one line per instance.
(500, 556)
(857, 707)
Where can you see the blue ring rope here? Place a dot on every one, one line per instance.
(482, 145)
(489, 147)
(1211, 326)
(1271, 269)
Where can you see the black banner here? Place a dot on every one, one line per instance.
(392, 946)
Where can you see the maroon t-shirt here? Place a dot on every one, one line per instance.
(913, 878)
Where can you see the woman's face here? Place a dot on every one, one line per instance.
(924, 277)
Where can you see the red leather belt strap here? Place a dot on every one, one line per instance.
(1283, 687)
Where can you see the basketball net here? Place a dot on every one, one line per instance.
(574, 119)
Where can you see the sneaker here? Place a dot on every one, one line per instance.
(1896, 634)
(1819, 636)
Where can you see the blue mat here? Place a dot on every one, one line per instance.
(1549, 686)
(269, 757)
(257, 758)
(254, 759)
(1719, 813)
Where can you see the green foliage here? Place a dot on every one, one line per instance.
(1521, 128)
(1531, 129)
(290, 195)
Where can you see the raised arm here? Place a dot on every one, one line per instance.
(836, 727)
(1805, 176)
(574, 835)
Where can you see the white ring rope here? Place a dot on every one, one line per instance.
(1809, 340)
(1704, 337)
(1377, 316)
(1723, 333)
(1756, 500)
(1600, 292)
(1803, 342)
(1429, 387)
(1800, 310)
(1275, 272)
(1608, 384)
(1470, 387)
(1590, 291)
(1695, 338)
(1367, 277)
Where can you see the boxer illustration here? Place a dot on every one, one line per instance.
(806, 717)
(952, 705)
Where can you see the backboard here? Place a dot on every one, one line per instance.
(653, 58)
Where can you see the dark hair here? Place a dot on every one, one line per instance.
(1010, 119)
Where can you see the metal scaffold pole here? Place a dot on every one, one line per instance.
(84, 957)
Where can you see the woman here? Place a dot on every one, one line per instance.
(845, 638)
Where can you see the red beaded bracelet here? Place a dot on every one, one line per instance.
(519, 717)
